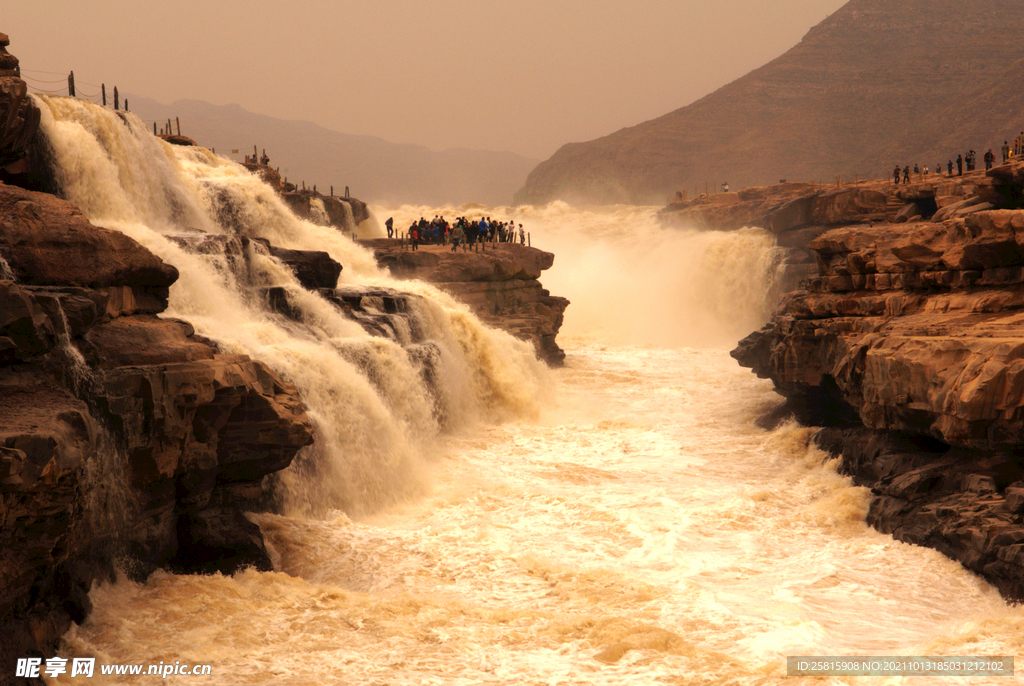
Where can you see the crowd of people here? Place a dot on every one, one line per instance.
(462, 231)
(964, 162)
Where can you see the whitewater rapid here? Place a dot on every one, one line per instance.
(618, 521)
(375, 418)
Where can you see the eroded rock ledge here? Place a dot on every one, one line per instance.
(500, 284)
(121, 433)
(909, 346)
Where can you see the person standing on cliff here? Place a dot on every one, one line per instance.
(896, 175)
(390, 223)
(950, 165)
(906, 174)
(457, 236)
(959, 165)
(990, 158)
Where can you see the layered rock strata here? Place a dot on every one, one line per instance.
(908, 344)
(500, 284)
(19, 118)
(797, 213)
(121, 434)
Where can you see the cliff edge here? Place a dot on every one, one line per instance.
(500, 285)
(908, 346)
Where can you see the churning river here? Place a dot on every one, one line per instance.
(617, 521)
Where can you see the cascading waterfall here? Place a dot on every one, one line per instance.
(318, 213)
(630, 280)
(642, 530)
(349, 219)
(375, 417)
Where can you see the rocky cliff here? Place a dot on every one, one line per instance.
(121, 434)
(874, 84)
(500, 284)
(19, 119)
(908, 345)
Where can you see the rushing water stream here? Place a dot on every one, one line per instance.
(618, 521)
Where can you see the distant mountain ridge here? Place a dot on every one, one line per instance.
(376, 170)
(875, 84)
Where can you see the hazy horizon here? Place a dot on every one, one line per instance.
(524, 78)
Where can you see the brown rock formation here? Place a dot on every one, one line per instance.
(120, 433)
(500, 285)
(797, 213)
(19, 118)
(337, 215)
(176, 139)
(908, 342)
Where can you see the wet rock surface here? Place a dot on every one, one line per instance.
(500, 284)
(122, 434)
(908, 344)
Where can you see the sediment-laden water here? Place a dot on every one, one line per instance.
(618, 521)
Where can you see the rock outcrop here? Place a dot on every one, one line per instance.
(500, 284)
(344, 213)
(797, 213)
(908, 344)
(121, 433)
(19, 118)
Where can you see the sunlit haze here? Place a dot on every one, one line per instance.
(525, 77)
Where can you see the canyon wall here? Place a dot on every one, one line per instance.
(122, 435)
(907, 345)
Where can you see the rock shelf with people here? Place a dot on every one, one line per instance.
(462, 232)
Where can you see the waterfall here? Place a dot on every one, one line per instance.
(376, 406)
(633, 281)
(349, 218)
(318, 213)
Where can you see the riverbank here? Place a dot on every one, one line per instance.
(906, 346)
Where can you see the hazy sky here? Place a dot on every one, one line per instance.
(519, 75)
